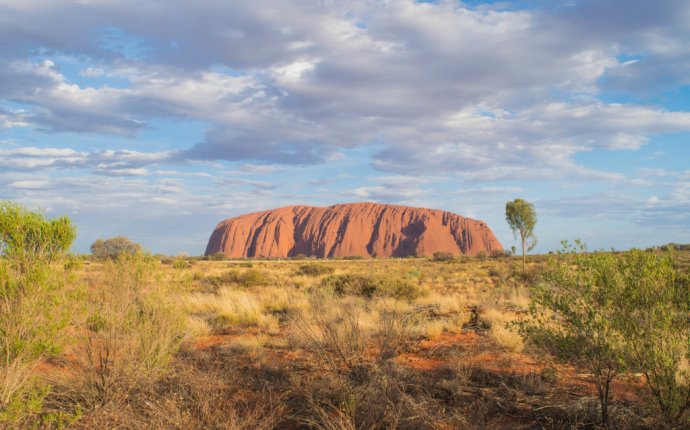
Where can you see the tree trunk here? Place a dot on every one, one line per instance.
(522, 236)
(604, 391)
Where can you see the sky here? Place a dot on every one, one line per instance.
(158, 119)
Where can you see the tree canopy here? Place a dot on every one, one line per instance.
(113, 247)
(522, 217)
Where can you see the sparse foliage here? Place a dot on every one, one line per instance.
(373, 286)
(522, 218)
(442, 256)
(573, 318)
(114, 247)
(133, 331)
(34, 305)
(609, 312)
(653, 315)
(315, 269)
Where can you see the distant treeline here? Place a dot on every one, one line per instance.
(671, 247)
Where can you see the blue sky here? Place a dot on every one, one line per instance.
(156, 120)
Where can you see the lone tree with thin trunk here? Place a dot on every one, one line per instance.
(521, 218)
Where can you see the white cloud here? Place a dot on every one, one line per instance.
(436, 92)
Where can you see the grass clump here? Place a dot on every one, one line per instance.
(315, 269)
(247, 278)
(230, 307)
(373, 286)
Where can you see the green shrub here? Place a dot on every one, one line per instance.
(577, 293)
(114, 247)
(652, 314)
(74, 262)
(370, 286)
(315, 269)
(181, 263)
(611, 312)
(35, 305)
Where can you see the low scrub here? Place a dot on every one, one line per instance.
(133, 330)
(617, 313)
(247, 278)
(373, 286)
(442, 256)
(35, 307)
(315, 269)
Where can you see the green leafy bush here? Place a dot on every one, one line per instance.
(653, 314)
(181, 263)
(35, 305)
(114, 247)
(607, 313)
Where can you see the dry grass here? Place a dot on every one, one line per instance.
(230, 307)
(286, 352)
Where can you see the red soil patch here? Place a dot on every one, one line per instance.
(215, 340)
(505, 363)
(448, 339)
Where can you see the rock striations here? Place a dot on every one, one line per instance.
(363, 229)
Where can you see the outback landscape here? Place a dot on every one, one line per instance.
(345, 215)
(126, 340)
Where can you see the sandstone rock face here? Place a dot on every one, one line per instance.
(364, 229)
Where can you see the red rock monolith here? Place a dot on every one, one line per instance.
(352, 229)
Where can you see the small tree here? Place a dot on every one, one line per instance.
(573, 317)
(114, 247)
(522, 218)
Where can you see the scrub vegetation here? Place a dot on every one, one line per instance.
(132, 341)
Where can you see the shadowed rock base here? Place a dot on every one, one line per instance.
(363, 229)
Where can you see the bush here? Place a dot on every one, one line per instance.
(27, 237)
(218, 256)
(652, 315)
(500, 254)
(443, 256)
(248, 278)
(315, 269)
(134, 331)
(114, 247)
(181, 263)
(578, 295)
(615, 312)
(370, 286)
(35, 305)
